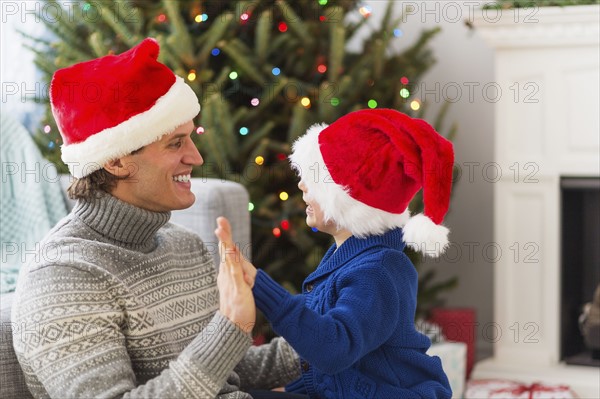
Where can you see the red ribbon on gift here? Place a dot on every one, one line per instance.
(516, 392)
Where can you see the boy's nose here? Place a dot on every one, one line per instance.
(302, 186)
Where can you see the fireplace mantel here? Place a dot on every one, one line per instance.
(539, 27)
(547, 63)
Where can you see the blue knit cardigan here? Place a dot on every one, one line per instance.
(353, 324)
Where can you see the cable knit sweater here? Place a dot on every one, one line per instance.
(121, 303)
(353, 325)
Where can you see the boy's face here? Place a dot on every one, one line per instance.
(314, 214)
(156, 170)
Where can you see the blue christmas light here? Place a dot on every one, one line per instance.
(276, 71)
(314, 229)
(215, 52)
(398, 32)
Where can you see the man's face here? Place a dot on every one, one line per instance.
(160, 172)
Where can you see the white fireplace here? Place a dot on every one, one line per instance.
(547, 60)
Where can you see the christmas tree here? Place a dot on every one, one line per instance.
(264, 71)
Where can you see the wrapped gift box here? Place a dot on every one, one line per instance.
(454, 362)
(506, 389)
(458, 325)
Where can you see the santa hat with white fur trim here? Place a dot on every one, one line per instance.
(111, 106)
(364, 169)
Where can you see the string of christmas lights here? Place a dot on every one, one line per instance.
(321, 68)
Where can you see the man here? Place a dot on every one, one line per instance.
(123, 303)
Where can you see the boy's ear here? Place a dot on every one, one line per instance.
(117, 167)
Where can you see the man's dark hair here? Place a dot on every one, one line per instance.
(87, 187)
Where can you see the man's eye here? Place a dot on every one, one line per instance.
(176, 144)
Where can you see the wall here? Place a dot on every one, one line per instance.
(19, 77)
(463, 75)
(554, 134)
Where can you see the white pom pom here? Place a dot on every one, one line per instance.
(421, 234)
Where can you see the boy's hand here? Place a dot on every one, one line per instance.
(232, 252)
(236, 301)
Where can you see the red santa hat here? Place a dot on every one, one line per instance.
(111, 106)
(364, 169)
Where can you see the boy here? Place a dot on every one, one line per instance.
(353, 324)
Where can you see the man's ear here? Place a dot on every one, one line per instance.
(118, 168)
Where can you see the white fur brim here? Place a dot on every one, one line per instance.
(178, 106)
(423, 235)
(337, 205)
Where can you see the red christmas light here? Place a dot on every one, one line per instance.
(282, 27)
(285, 224)
(277, 232)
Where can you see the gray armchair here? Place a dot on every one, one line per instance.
(214, 198)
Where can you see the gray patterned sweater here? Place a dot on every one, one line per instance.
(121, 303)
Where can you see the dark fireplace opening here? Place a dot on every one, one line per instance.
(580, 269)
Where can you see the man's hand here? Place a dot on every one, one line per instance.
(223, 233)
(235, 293)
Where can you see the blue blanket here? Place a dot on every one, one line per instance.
(32, 200)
